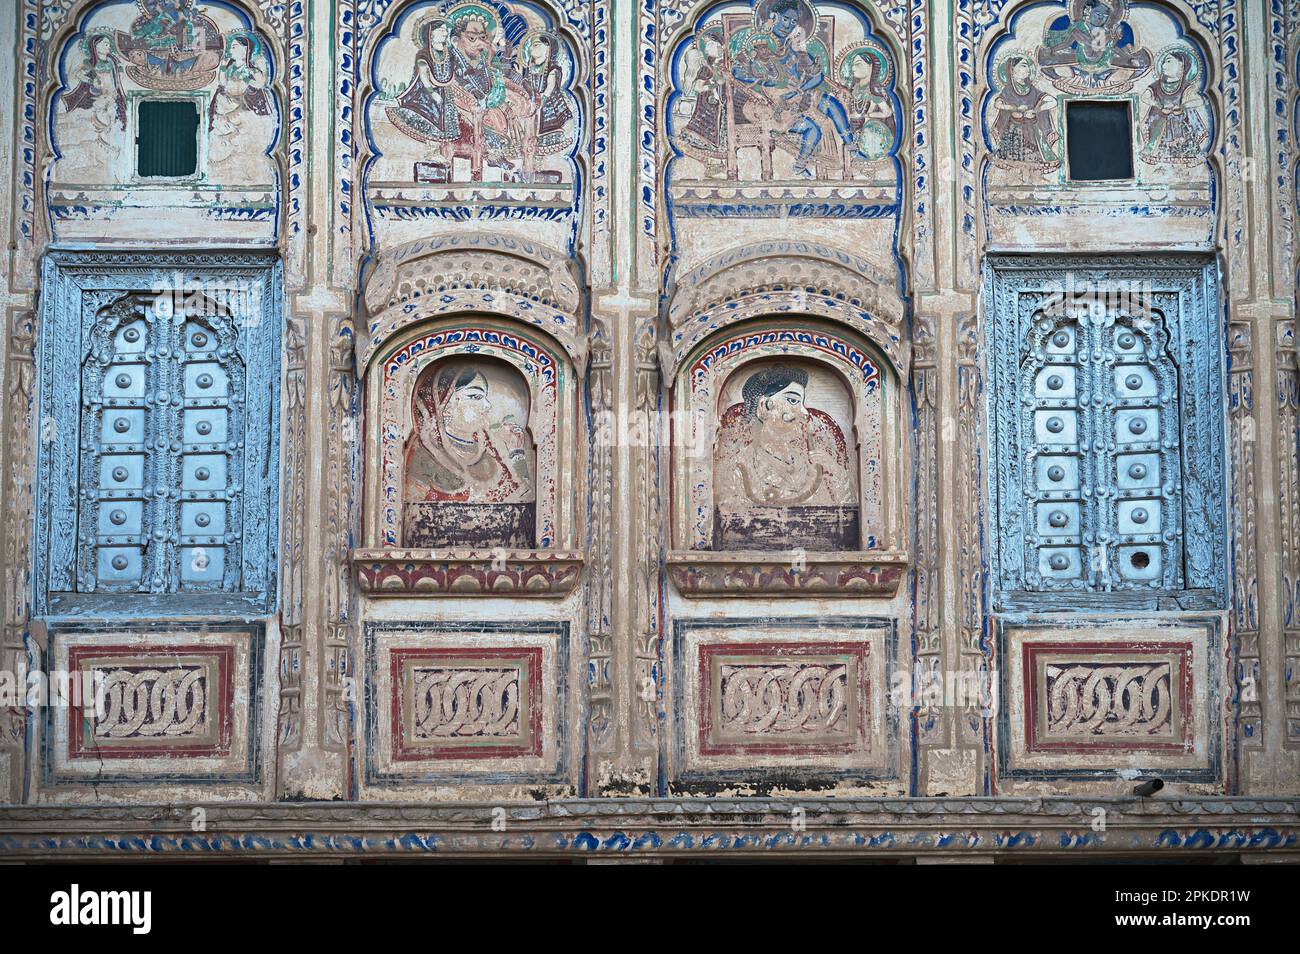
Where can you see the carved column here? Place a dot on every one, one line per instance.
(624, 390)
(1259, 206)
(947, 390)
(319, 441)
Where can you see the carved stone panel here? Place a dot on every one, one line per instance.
(482, 702)
(809, 698)
(1084, 701)
(155, 706)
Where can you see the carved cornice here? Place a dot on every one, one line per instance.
(473, 273)
(613, 827)
(741, 573)
(467, 572)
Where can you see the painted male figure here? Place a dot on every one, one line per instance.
(805, 83)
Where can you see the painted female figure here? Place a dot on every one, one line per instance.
(1174, 125)
(865, 73)
(464, 451)
(1022, 131)
(425, 110)
(100, 88)
(704, 137)
(241, 86)
(543, 75)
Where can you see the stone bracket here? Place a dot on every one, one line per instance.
(700, 573)
(467, 572)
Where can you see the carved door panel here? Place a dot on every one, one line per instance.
(162, 397)
(1107, 432)
(151, 463)
(1105, 479)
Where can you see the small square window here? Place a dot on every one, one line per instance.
(1099, 139)
(167, 141)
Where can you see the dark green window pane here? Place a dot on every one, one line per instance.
(1099, 136)
(167, 143)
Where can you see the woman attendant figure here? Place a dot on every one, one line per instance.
(241, 86)
(1023, 133)
(544, 76)
(704, 137)
(1174, 125)
(865, 73)
(425, 110)
(99, 89)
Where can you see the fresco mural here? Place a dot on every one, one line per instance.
(470, 459)
(177, 50)
(1114, 51)
(473, 104)
(1093, 49)
(1175, 119)
(781, 109)
(770, 91)
(784, 475)
(1025, 127)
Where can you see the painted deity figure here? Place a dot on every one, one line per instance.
(464, 450)
(241, 87)
(1023, 129)
(775, 451)
(793, 95)
(167, 26)
(170, 46)
(1175, 127)
(99, 89)
(1092, 48)
(499, 121)
(865, 74)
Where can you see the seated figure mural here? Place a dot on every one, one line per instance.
(469, 460)
(784, 474)
(782, 77)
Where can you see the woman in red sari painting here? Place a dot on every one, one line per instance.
(463, 451)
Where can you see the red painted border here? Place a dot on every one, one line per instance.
(863, 689)
(225, 697)
(403, 753)
(1138, 647)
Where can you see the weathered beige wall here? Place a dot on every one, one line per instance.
(597, 258)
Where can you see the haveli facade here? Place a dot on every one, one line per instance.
(855, 427)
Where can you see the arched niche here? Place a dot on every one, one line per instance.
(1142, 57)
(788, 277)
(789, 463)
(471, 445)
(164, 118)
(485, 273)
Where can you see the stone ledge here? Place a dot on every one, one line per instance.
(466, 572)
(997, 828)
(772, 573)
